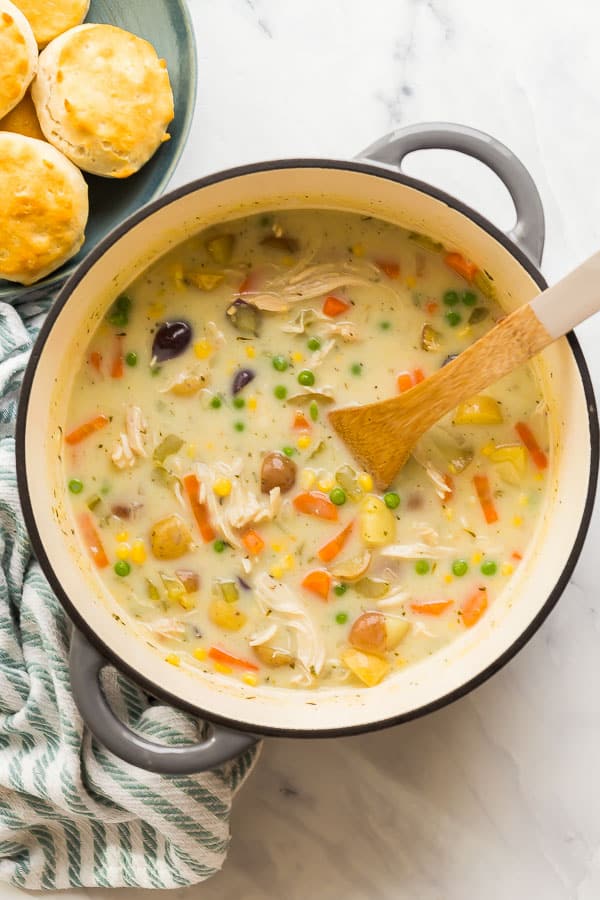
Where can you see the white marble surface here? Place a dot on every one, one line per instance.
(497, 796)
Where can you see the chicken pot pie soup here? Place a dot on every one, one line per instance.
(221, 511)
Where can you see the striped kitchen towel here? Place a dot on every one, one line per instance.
(71, 813)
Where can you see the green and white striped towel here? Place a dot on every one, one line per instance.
(71, 813)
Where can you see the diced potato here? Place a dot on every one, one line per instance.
(170, 538)
(273, 656)
(188, 384)
(351, 569)
(396, 629)
(206, 281)
(226, 615)
(479, 410)
(220, 248)
(369, 669)
(377, 522)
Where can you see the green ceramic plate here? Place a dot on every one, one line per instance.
(166, 24)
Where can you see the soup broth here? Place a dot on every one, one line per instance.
(223, 514)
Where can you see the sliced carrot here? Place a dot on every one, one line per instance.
(301, 423)
(200, 510)
(253, 542)
(533, 448)
(335, 306)
(418, 375)
(391, 269)
(318, 582)
(314, 503)
(516, 556)
(484, 495)
(96, 361)
(406, 380)
(431, 307)
(474, 607)
(462, 266)
(222, 656)
(432, 609)
(330, 551)
(89, 427)
(117, 369)
(91, 539)
(449, 482)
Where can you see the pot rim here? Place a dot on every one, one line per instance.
(61, 300)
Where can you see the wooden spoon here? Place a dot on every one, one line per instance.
(381, 435)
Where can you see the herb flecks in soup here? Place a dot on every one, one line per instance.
(221, 511)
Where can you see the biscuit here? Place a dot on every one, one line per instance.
(103, 98)
(49, 18)
(44, 208)
(18, 56)
(23, 119)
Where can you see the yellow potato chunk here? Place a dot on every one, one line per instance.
(367, 668)
(273, 656)
(479, 410)
(377, 522)
(226, 615)
(170, 538)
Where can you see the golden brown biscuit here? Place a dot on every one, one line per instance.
(18, 56)
(23, 119)
(49, 18)
(44, 209)
(103, 98)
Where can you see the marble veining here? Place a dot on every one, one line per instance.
(497, 796)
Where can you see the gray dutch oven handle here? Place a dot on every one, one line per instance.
(529, 230)
(220, 745)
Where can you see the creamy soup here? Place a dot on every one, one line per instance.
(225, 517)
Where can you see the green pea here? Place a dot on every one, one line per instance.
(341, 618)
(453, 319)
(122, 568)
(314, 411)
(239, 402)
(154, 370)
(450, 298)
(340, 589)
(460, 567)
(337, 496)
(356, 368)
(219, 546)
(280, 363)
(289, 451)
(131, 358)
(421, 567)
(239, 426)
(75, 486)
(216, 402)
(306, 378)
(489, 567)
(280, 391)
(391, 500)
(313, 343)
(469, 298)
(385, 326)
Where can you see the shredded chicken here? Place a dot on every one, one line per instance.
(426, 533)
(131, 441)
(302, 320)
(319, 355)
(214, 335)
(418, 550)
(167, 628)
(286, 611)
(394, 601)
(346, 330)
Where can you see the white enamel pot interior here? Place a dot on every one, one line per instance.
(370, 190)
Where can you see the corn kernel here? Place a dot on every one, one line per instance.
(191, 450)
(123, 550)
(186, 602)
(177, 275)
(476, 558)
(365, 482)
(252, 403)
(173, 659)
(465, 332)
(123, 536)
(138, 552)
(411, 281)
(200, 653)
(448, 579)
(222, 487)
(517, 521)
(250, 679)
(276, 547)
(358, 249)
(222, 668)
(488, 448)
(276, 572)
(325, 484)
(523, 499)
(307, 478)
(304, 441)
(288, 561)
(202, 349)
(156, 310)
(297, 357)
(250, 351)
(507, 569)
